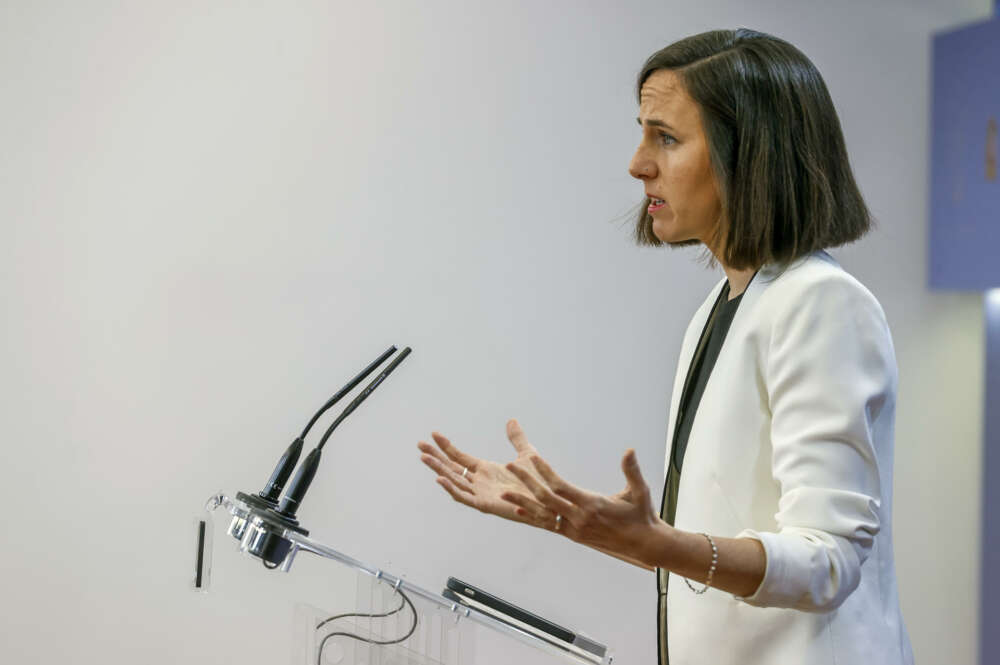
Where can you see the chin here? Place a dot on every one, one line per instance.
(668, 232)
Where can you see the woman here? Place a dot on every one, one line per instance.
(778, 488)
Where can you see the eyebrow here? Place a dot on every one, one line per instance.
(655, 123)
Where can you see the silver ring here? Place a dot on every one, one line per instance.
(558, 521)
(465, 471)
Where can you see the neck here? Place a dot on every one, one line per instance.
(738, 280)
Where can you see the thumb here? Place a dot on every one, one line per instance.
(630, 465)
(517, 437)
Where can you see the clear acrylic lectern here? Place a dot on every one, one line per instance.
(394, 622)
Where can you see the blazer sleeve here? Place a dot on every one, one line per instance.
(830, 372)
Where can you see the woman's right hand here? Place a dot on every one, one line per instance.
(486, 481)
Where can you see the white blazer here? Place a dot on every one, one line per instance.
(792, 445)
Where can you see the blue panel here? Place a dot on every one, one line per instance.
(989, 609)
(964, 246)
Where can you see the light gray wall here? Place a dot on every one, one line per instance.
(215, 213)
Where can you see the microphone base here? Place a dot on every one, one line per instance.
(261, 531)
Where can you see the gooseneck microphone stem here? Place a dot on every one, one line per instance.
(262, 531)
(363, 396)
(348, 388)
(286, 464)
(292, 499)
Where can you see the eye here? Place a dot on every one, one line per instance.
(667, 138)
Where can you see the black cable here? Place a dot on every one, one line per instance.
(358, 614)
(322, 644)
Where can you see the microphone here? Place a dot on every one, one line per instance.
(297, 490)
(267, 498)
(261, 530)
(286, 464)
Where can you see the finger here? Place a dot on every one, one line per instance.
(542, 493)
(454, 453)
(456, 494)
(539, 515)
(436, 452)
(524, 501)
(442, 470)
(630, 465)
(530, 510)
(559, 486)
(518, 438)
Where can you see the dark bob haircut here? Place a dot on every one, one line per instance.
(775, 145)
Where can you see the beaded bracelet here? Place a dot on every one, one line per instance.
(711, 571)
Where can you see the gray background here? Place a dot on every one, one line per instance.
(214, 213)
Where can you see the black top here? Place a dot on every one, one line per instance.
(709, 345)
(702, 368)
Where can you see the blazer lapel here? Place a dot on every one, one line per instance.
(691, 337)
(756, 287)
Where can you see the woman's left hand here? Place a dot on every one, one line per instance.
(621, 524)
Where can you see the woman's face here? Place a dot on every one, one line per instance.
(672, 160)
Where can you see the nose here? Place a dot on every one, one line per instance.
(640, 167)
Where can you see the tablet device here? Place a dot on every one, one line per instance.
(466, 602)
(511, 614)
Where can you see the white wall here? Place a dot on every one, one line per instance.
(215, 213)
